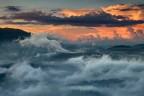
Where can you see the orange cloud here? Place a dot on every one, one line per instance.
(131, 11)
(134, 12)
(74, 33)
(78, 12)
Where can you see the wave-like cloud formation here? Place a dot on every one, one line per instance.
(31, 68)
(41, 40)
(73, 77)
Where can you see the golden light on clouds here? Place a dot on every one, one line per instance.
(131, 12)
(74, 33)
(128, 10)
(78, 12)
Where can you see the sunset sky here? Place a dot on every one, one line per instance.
(75, 19)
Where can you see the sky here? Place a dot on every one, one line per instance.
(52, 4)
(76, 19)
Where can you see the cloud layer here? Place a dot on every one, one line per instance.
(37, 76)
(91, 18)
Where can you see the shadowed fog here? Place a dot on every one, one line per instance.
(37, 66)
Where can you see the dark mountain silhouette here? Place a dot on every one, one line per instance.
(10, 34)
(124, 51)
(139, 46)
(120, 48)
(134, 48)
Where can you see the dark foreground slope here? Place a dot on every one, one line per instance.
(10, 34)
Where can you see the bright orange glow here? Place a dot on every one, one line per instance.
(74, 33)
(128, 10)
(68, 12)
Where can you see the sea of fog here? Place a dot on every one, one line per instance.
(37, 66)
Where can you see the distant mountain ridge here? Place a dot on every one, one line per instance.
(137, 47)
(10, 34)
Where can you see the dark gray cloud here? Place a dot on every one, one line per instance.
(127, 9)
(20, 23)
(89, 20)
(56, 10)
(13, 8)
(141, 5)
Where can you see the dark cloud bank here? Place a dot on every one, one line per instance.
(90, 20)
(13, 8)
(38, 66)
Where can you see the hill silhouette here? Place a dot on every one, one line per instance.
(10, 34)
(137, 47)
